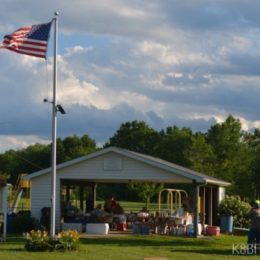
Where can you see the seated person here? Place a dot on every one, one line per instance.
(108, 205)
(113, 203)
(97, 214)
(118, 209)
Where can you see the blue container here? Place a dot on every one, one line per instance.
(190, 230)
(145, 229)
(141, 229)
(9, 224)
(226, 224)
(136, 229)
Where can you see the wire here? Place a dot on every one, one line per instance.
(46, 89)
(28, 161)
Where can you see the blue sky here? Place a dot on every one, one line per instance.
(186, 63)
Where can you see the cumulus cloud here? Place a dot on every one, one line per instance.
(186, 63)
(13, 142)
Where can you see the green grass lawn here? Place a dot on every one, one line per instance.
(129, 206)
(134, 247)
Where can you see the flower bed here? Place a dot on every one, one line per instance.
(41, 241)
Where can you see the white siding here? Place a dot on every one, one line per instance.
(40, 194)
(1, 199)
(3, 209)
(93, 169)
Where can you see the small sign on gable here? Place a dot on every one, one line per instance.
(113, 164)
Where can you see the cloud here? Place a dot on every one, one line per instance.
(172, 79)
(14, 142)
(186, 63)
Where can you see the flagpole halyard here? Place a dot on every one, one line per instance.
(54, 127)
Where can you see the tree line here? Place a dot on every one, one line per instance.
(38, 156)
(225, 151)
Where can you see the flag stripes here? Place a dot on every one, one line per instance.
(29, 40)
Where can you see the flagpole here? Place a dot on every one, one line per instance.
(54, 127)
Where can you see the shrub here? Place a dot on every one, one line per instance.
(234, 206)
(40, 241)
(68, 240)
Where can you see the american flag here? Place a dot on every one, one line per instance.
(29, 40)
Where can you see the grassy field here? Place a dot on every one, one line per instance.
(129, 206)
(135, 247)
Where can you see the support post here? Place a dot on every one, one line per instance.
(210, 207)
(4, 207)
(203, 210)
(67, 193)
(196, 210)
(81, 196)
(94, 195)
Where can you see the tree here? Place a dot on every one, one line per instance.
(9, 165)
(75, 146)
(174, 145)
(225, 141)
(88, 144)
(4, 175)
(225, 137)
(34, 157)
(232, 158)
(135, 136)
(200, 154)
(38, 156)
(146, 191)
(61, 155)
(253, 143)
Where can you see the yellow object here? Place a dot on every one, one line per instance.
(172, 194)
(24, 183)
(199, 205)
